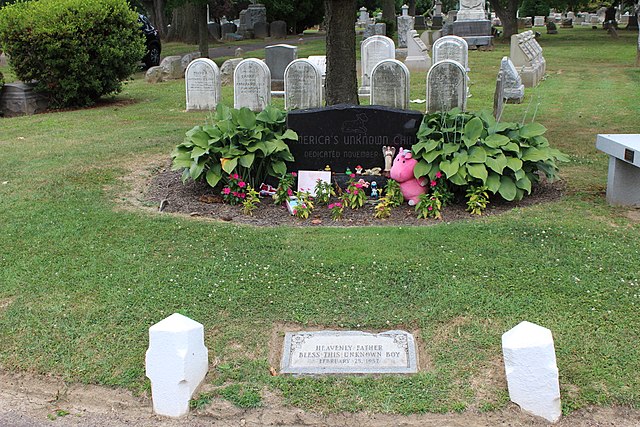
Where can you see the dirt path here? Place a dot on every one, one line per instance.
(33, 401)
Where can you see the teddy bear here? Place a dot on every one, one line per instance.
(402, 171)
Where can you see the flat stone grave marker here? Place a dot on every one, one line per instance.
(624, 168)
(344, 136)
(446, 86)
(373, 50)
(302, 85)
(251, 85)
(349, 352)
(390, 84)
(202, 81)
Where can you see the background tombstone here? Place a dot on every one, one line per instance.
(228, 28)
(261, 30)
(202, 81)
(302, 85)
(513, 87)
(227, 69)
(278, 30)
(419, 23)
(498, 97)
(446, 86)
(390, 84)
(373, 50)
(215, 30)
(251, 85)
(452, 48)
(405, 24)
(417, 55)
(277, 57)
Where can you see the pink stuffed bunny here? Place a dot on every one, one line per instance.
(402, 171)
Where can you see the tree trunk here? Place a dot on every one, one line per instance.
(507, 11)
(203, 30)
(341, 82)
(389, 10)
(184, 24)
(155, 10)
(412, 7)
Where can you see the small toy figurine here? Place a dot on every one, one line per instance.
(374, 190)
(348, 171)
(327, 168)
(358, 170)
(388, 153)
(402, 171)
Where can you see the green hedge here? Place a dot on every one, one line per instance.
(75, 50)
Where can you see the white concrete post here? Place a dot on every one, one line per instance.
(532, 373)
(176, 362)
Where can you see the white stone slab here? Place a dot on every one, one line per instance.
(532, 373)
(623, 178)
(446, 86)
(349, 352)
(453, 48)
(373, 50)
(302, 85)
(203, 85)
(616, 144)
(251, 85)
(390, 83)
(176, 363)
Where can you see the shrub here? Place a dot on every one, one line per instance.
(475, 150)
(241, 142)
(75, 50)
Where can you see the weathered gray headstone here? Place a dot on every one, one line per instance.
(513, 87)
(417, 53)
(498, 97)
(471, 10)
(261, 30)
(19, 99)
(377, 29)
(277, 57)
(202, 81)
(390, 84)
(249, 17)
(405, 24)
(341, 352)
(419, 23)
(215, 30)
(278, 30)
(228, 28)
(451, 47)
(446, 86)
(227, 69)
(373, 50)
(302, 85)
(251, 85)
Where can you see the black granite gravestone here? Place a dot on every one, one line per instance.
(346, 136)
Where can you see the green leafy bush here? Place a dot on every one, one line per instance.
(239, 141)
(75, 50)
(475, 150)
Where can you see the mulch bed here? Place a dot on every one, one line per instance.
(199, 200)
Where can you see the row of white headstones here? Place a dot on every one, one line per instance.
(177, 362)
(385, 79)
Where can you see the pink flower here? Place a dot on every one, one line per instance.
(430, 208)
(294, 174)
(438, 174)
(289, 192)
(242, 184)
(355, 191)
(338, 205)
(304, 206)
(242, 195)
(358, 185)
(226, 190)
(295, 211)
(353, 175)
(235, 176)
(433, 183)
(331, 206)
(235, 194)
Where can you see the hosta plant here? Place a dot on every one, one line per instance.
(238, 141)
(475, 150)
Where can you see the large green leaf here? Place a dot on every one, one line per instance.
(507, 188)
(511, 146)
(449, 167)
(200, 138)
(532, 129)
(497, 163)
(290, 134)
(213, 175)
(524, 183)
(247, 160)
(514, 164)
(246, 118)
(460, 178)
(181, 163)
(533, 154)
(558, 155)
(196, 169)
(493, 182)
(424, 130)
(197, 152)
(478, 170)
(496, 140)
(450, 148)
(228, 165)
(472, 131)
(255, 146)
(477, 155)
(422, 168)
(430, 156)
(280, 168)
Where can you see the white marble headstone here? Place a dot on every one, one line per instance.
(390, 84)
(302, 85)
(251, 85)
(471, 10)
(513, 87)
(202, 81)
(451, 47)
(373, 50)
(417, 55)
(446, 86)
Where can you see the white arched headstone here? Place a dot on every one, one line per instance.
(390, 84)
(202, 81)
(451, 47)
(251, 85)
(373, 50)
(446, 86)
(302, 85)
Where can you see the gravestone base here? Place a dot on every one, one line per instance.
(277, 85)
(19, 99)
(624, 168)
(476, 33)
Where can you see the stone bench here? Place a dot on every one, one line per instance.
(623, 181)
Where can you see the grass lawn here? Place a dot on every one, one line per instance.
(82, 279)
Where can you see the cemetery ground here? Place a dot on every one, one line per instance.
(87, 267)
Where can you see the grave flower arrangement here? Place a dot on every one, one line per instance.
(354, 195)
(235, 191)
